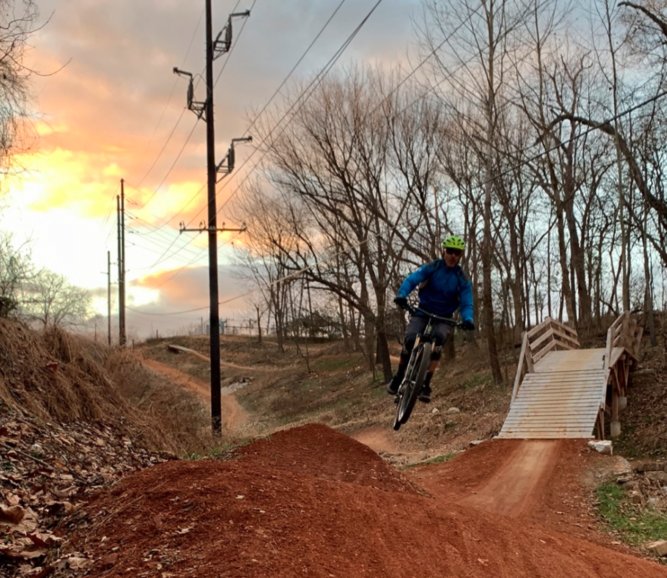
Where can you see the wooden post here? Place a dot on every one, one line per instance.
(524, 357)
(615, 424)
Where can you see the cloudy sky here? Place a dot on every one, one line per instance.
(108, 107)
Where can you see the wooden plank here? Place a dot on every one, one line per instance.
(537, 344)
(587, 425)
(525, 408)
(553, 419)
(575, 387)
(549, 423)
(563, 376)
(541, 428)
(560, 403)
(572, 341)
(561, 399)
(520, 367)
(561, 391)
(578, 359)
(616, 354)
(552, 388)
(538, 328)
(546, 420)
(520, 412)
(562, 433)
(563, 395)
(536, 405)
(582, 407)
(565, 381)
(546, 349)
(541, 425)
(564, 398)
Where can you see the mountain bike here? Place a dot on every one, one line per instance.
(417, 368)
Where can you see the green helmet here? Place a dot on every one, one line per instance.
(453, 242)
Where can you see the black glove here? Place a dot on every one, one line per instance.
(468, 325)
(401, 302)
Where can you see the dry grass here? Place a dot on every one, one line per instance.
(60, 377)
(182, 420)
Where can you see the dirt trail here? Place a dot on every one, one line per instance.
(270, 369)
(517, 483)
(310, 501)
(234, 416)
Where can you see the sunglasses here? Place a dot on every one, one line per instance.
(456, 252)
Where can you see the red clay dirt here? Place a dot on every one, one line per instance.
(310, 501)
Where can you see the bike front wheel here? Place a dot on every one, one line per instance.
(414, 380)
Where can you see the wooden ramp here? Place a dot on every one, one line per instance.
(561, 391)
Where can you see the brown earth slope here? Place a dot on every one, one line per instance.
(312, 502)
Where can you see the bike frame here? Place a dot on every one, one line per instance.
(418, 364)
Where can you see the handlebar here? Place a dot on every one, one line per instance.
(448, 320)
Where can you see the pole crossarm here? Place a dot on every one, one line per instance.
(223, 44)
(226, 165)
(196, 106)
(203, 229)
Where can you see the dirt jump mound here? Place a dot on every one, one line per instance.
(312, 502)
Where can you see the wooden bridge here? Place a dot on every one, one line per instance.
(562, 391)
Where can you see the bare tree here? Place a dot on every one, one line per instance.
(270, 219)
(53, 302)
(16, 21)
(475, 44)
(361, 159)
(16, 270)
(649, 44)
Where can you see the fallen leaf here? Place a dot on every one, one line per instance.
(11, 515)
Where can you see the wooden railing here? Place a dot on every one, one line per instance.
(548, 336)
(624, 332)
(622, 352)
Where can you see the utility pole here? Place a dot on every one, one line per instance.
(109, 298)
(120, 205)
(204, 109)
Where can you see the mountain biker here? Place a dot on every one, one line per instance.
(443, 288)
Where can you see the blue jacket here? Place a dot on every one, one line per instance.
(442, 290)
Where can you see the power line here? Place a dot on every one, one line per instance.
(585, 132)
(325, 70)
(579, 135)
(307, 92)
(173, 130)
(289, 74)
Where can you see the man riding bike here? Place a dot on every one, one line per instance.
(443, 288)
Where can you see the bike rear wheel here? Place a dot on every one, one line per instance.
(414, 379)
